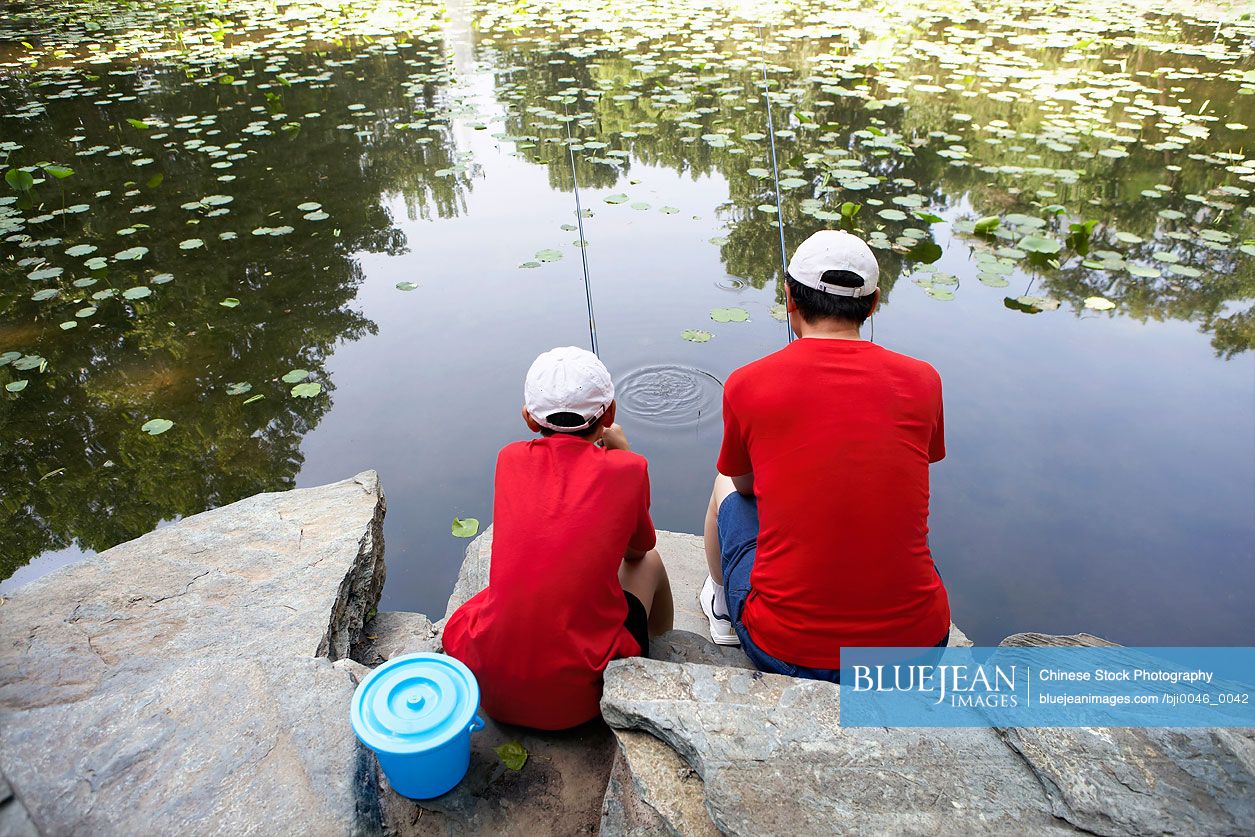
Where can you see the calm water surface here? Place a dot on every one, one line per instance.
(1101, 460)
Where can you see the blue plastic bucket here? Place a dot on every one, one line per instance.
(417, 713)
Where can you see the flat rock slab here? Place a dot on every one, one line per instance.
(774, 760)
(186, 677)
(394, 633)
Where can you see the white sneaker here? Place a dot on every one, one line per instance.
(721, 632)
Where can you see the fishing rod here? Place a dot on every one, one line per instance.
(583, 245)
(775, 174)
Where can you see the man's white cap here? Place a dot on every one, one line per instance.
(567, 380)
(834, 250)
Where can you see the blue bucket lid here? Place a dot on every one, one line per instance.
(414, 703)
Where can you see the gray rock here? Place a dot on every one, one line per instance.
(652, 791)
(1140, 781)
(1144, 781)
(774, 760)
(393, 633)
(1034, 639)
(186, 677)
(473, 576)
(685, 647)
(197, 746)
(14, 820)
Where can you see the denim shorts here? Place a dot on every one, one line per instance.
(738, 545)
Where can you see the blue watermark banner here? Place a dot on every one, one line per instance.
(1048, 687)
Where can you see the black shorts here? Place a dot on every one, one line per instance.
(637, 622)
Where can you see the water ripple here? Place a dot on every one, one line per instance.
(669, 394)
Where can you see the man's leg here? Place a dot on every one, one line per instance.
(714, 562)
(646, 579)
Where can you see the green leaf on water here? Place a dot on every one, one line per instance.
(1040, 244)
(406, 286)
(191, 244)
(229, 302)
(16, 386)
(668, 210)
(157, 426)
(131, 254)
(988, 224)
(239, 388)
(729, 315)
(1098, 303)
(619, 198)
(295, 376)
(138, 292)
(694, 335)
(80, 250)
(44, 273)
(309, 206)
(306, 390)
(28, 362)
(138, 123)
(548, 255)
(68, 324)
(45, 294)
(512, 754)
(59, 172)
(19, 180)
(467, 528)
(257, 397)
(929, 218)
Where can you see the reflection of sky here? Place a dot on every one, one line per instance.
(1099, 475)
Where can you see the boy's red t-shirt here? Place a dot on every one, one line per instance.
(540, 635)
(839, 435)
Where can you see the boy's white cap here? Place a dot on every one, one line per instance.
(834, 250)
(567, 380)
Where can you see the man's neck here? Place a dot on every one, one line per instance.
(824, 329)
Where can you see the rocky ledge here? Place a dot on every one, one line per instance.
(198, 680)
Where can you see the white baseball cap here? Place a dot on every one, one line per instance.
(834, 250)
(567, 380)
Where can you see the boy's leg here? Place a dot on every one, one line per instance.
(714, 562)
(647, 580)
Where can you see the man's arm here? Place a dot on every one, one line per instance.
(744, 484)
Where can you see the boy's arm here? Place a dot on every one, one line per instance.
(644, 536)
(744, 484)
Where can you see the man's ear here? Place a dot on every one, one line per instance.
(607, 418)
(789, 305)
(875, 302)
(531, 423)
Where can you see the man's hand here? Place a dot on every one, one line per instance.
(613, 438)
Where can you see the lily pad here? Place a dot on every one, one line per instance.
(694, 335)
(545, 256)
(406, 286)
(16, 386)
(239, 388)
(729, 315)
(306, 390)
(618, 198)
(157, 426)
(191, 244)
(465, 527)
(138, 292)
(295, 376)
(1098, 303)
(229, 302)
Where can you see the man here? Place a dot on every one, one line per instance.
(817, 529)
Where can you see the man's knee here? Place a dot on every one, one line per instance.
(723, 487)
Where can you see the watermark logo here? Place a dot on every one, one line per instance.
(1048, 687)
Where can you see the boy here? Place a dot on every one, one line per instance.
(817, 529)
(575, 580)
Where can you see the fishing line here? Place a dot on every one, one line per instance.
(583, 245)
(775, 173)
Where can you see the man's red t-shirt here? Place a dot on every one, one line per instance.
(838, 435)
(540, 635)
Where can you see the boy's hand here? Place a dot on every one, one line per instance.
(613, 438)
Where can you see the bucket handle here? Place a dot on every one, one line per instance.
(476, 725)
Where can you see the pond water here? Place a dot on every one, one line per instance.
(249, 246)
